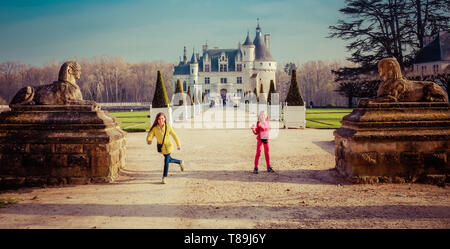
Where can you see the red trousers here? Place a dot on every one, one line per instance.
(258, 153)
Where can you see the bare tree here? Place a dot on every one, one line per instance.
(316, 82)
(104, 78)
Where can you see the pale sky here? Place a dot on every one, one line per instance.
(36, 32)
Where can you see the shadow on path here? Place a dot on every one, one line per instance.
(327, 146)
(226, 212)
(301, 176)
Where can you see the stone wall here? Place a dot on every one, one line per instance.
(395, 142)
(48, 145)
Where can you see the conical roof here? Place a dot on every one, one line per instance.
(261, 51)
(247, 40)
(193, 58)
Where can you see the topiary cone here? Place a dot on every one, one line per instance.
(271, 90)
(160, 99)
(294, 96)
(190, 96)
(179, 89)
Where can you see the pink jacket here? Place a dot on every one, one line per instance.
(262, 130)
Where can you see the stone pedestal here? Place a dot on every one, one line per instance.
(57, 144)
(180, 113)
(294, 116)
(394, 142)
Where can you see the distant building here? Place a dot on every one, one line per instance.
(434, 58)
(228, 72)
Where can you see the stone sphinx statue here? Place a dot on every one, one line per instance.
(397, 88)
(65, 91)
(402, 135)
(52, 136)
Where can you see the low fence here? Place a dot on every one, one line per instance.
(112, 107)
(125, 106)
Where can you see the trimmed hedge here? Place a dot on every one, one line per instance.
(160, 99)
(179, 89)
(261, 94)
(294, 96)
(271, 90)
(190, 96)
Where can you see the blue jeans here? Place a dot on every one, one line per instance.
(168, 159)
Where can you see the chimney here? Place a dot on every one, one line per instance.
(184, 55)
(267, 41)
(205, 47)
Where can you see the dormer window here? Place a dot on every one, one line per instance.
(238, 57)
(239, 67)
(223, 63)
(223, 68)
(207, 68)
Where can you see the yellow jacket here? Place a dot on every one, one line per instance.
(158, 132)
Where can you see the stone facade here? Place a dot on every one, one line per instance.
(229, 74)
(394, 142)
(434, 57)
(59, 144)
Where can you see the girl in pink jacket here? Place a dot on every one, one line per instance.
(262, 132)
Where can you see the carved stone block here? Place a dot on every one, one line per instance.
(74, 144)
(394, 142)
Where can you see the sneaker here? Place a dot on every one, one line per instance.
(164, 181)
(270, 170)
(255, 171)
(182, 165)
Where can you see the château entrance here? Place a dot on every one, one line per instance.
(223, 94)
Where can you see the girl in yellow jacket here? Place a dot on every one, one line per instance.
(157, 130)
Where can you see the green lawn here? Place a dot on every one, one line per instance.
(133, 121)
(325, 118)
(321, 110)
(320, 118)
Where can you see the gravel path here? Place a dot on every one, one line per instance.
(219, 190)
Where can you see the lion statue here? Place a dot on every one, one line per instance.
(397, 88)
(62, 92)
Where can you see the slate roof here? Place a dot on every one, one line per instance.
(213, 55)
(437, 50)
(193, 58)
(181, 69)
(247, 40)
(261, 52)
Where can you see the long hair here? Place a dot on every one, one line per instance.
(260, 116)
(155, 123)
